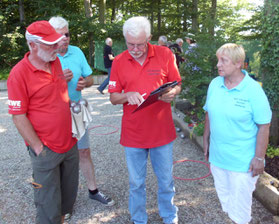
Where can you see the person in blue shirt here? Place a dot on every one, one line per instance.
(77, 73)
(236, 132)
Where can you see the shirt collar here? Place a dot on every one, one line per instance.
(241, 85)
(69, 52)
(32, 67)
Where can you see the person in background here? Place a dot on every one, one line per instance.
(39, 104)
(191, 43)
(108, 58)
(236, 132)
(178, 51)
(136, 72)
(191, 52)
(163, 41)
(78, 76)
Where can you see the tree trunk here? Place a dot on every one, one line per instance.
(113, 11)
(178, 6)
(274, 128)
(87, 8)
(212, 17)
(152, 21)
(159, 16)
(184, 16)
(89, 14)
(102, 9)
(21, 12)
(195, 25)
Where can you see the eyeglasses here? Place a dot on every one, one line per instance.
(47, 45)
(139, 46)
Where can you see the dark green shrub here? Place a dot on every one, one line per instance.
(195, 82)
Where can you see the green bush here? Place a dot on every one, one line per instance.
(269, 69)
(198, 130)
(195, 82)
(269, 54)
(4, 73)
(271, 151)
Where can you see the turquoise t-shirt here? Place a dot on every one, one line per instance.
(75, 60)
(233, 117)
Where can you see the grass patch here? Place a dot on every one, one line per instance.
(4, 73)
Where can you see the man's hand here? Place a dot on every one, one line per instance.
(169, 96)
(81, 84)
(134, 98)
(38, 149)
(68, 75)
(256, 167)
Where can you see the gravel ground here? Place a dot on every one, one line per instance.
(197, 200)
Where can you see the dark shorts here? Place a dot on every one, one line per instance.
(55, 183)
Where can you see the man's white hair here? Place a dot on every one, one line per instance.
(108, 40)
(58, 22)
(136, 25)
(179, 40)
(164, 39)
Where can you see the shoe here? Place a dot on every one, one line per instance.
(100, 91)
(107, 201)
(68, 216)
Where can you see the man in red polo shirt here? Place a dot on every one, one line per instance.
(39, 104)
(135, 73)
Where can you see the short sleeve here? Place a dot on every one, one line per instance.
(86, 70)
(114, 82)
(260, 106)
(17, 95)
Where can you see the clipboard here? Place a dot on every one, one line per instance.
(154, 95)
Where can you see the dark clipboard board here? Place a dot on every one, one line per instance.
(154, 95)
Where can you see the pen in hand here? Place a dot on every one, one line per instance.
(142, 95)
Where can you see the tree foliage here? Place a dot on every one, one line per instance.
(270, 62)
(173, 18)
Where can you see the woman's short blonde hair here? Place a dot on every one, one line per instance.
(234, 51)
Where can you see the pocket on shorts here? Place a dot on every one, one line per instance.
(39, 195)
(31, 152)
(42, 153)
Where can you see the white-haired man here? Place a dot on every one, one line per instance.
(39, 104)
(163, 41)
(108, 58)
(177, 50)
(78, 76)
(137, 72)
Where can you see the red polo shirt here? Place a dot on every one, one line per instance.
(43, 97)
(152, 126)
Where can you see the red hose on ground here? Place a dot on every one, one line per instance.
(195, 161)
(98, 126)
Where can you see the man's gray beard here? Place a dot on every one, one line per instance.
(62, 50)
(44, 56)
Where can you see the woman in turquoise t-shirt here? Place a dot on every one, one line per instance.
(236, 132)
